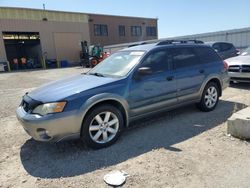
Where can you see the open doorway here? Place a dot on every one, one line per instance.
(23, 49)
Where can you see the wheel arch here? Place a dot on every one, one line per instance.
(218, 83)
(116, 101)
(214, 79)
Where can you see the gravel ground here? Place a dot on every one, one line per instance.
(180, 148)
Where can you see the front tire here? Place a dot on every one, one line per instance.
(102, 126)
(210, 97)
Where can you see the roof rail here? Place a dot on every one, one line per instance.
(165, 42)
(137, 44)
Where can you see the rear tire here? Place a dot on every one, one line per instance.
(102, 126)
(210, 97)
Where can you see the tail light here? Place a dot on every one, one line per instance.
(225, 65)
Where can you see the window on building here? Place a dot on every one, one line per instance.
(121, 30)
(151, 31)
(100, 30)
(136, 31)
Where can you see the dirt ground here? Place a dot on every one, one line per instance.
(180, 148)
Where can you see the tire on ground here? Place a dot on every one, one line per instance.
(85, 134)
(202, 104)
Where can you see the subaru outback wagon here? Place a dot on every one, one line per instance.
(130, 84)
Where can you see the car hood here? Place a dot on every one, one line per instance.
(61, 89)
(239, 60)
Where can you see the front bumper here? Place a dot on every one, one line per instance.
(239, 76)
(52, 127)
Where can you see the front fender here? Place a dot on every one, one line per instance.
(101, 98)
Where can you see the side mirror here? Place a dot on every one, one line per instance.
(144, 71)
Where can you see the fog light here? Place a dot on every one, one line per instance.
(43, 134)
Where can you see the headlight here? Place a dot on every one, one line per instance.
(49, 108)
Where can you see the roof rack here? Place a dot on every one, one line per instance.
(137, 44)
(179, 42)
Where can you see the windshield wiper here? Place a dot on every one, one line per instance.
(96, 74)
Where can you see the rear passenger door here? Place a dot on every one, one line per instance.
(189, 73)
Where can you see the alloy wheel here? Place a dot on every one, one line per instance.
(211, 97)
(104, 127)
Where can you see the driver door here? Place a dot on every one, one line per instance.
(156, 90)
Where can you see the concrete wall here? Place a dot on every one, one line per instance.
(113, 23)
(239, 37)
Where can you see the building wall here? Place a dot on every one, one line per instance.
(61, 32)
(113, 33)
(67, 46)
(26, 20)
(239, 37)
(2, 48)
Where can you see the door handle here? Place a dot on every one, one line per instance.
(201, 71)
(169, 78)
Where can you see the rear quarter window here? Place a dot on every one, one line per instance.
(184, 57)
(207, 55)
(226, 46)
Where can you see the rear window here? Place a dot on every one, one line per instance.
(207, 55)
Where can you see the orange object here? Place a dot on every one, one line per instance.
(23, 60)
(94, 62)
(105, 55)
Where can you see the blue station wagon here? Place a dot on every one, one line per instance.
(130, 84)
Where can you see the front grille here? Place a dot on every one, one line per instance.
(234, 68)
(25, 106)
(29, 104)
(239, 68)
(245, 68)
(240, 79)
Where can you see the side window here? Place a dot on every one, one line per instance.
(158, 61)
(226, 46)
(184, 57)
(217, 47)
(207, 55)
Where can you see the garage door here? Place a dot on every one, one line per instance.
(68, 46)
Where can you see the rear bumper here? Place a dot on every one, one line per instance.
(53, 127)
(225, 81)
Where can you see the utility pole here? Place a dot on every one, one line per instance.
(43, 6)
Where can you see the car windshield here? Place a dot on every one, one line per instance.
(246, 52)
(118, 64)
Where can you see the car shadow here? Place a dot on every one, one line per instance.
(68, 159)
(241, 85)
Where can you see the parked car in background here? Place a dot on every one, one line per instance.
(130, 84)
(224, 49)
(239, 67)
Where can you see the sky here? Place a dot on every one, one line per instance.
(175, 17)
